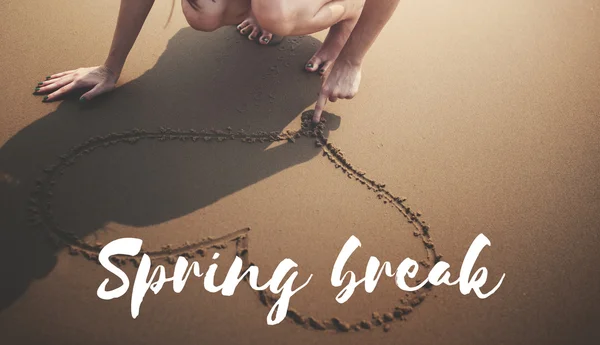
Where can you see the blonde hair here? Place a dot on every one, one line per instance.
(170, 14)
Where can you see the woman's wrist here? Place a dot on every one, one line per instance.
(351, 59)
(112, 72)
(114, 66)
(351, 55)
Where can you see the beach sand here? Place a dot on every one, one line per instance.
(484, 116)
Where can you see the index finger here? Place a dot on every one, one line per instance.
(321, 102)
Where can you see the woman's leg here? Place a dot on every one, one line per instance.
(203, 15)
(282, 17)
(292, 17)
(330, 50)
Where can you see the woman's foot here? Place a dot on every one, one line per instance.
(335, 41)
(251, 28)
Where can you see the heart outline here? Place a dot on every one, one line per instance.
(41, 214)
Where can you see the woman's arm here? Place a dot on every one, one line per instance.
(132, 15)
(373, 19)
(101, 79)
(344, 79)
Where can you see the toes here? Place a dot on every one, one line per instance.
(325, 67)
(245, 28)
(254, 33)
(243, 25)
(313, 64)
(251, 29)
(266, 37)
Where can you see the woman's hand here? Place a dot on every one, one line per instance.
(98, 80)
(101, 79)
(342, 82)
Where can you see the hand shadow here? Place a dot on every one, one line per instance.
(201, 81)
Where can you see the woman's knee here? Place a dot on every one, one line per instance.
(201, 18)
(280, 17)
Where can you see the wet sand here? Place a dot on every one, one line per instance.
(472, 118)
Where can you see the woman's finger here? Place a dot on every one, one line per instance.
(321, 102)
(95, 91)
(53, 79)
(60, 92)
(58, 75)
(57, 84)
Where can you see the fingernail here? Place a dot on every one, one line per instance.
(266, 39)
(82, 100)
(322, 70)
(48, 77)
(309, 65)
(45, 99)
(37, 89)
(40, 84)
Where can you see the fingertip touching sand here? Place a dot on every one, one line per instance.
(353, 27)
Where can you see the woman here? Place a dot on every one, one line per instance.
(354, 26)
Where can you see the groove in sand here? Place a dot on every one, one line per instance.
(41, 213)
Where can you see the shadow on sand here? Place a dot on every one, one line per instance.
(201, 81)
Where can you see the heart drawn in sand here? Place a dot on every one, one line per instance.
(42, 216)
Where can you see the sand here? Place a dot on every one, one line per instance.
(472, 118)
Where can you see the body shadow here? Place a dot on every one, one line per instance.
(201, 81)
